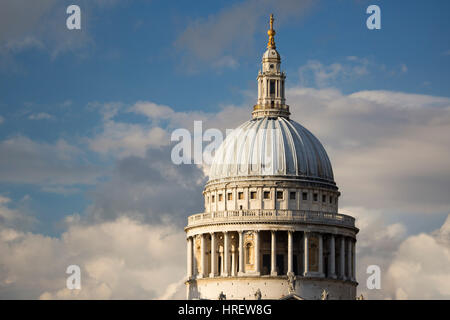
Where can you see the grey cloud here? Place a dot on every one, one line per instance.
(231, 31)
(42, 25)
(389, 150)
(46, 164)
(150, 189)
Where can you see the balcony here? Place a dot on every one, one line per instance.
(261, 216)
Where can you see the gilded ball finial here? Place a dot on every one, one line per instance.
(271, 32)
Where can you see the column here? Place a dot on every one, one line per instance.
(257, 262)
(189, 257)
(354, 260)
(226, 253)
(261, 198)
(233, 261)
(332, 258)
(276, 89)
(225, 199)
(216, 202)
(202, 256)
(290, 252)
(241, 253)
(349, 259)
(273, 255)
(194, 259)
(321, 274)
(342, 258)
(306, 254)
(213, 255)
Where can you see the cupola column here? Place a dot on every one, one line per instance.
(332, 257)
(202, 256)
(189, 257)
(349, 259)
(213, 256)
(257, 262)
(241, 253)
(273, 254)
(342, 258)
(290, 252)
(306, 253)
(354, 260)
(226, 253)
(321, 274)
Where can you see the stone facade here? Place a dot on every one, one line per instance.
(271, 232)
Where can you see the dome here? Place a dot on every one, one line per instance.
(271, 54)
(271, 147)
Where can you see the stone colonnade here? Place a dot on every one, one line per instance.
(311, 254)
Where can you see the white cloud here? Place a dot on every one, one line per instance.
(2, 119)
(389, 150)
(421, 266)
(41, 116)
(316, 73)
(226, 62)
(13, 217)
(121, 259)
(412, 267)
(125, 139)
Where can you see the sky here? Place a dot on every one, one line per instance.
(86, 117)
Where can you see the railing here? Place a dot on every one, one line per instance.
(265, 215)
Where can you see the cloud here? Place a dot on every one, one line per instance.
(211, 41)
(46, 164)
(316, 73)
(120, 259)
(41, 116)
(426, 259)
(122, 139)
(412, 267)
(389, 150)
(2, 119)
(41, 25)
(150, 189)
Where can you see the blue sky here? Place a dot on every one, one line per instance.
(132, 54)
(86, 118)
(131, 51)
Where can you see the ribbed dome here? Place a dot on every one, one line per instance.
(271, 146)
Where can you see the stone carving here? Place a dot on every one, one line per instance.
(291, 282)
(324, 295)
(258, 294)
(222, 296)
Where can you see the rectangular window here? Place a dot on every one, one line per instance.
(213, 198)
(266, 194)
(253, 195)
(220, 197)
(230, 196)
(279, 195)
(240, 195)
(315, 196)
(292, 195)
(331, 199)
(324, 198)
(272, 86)
(305, 195)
